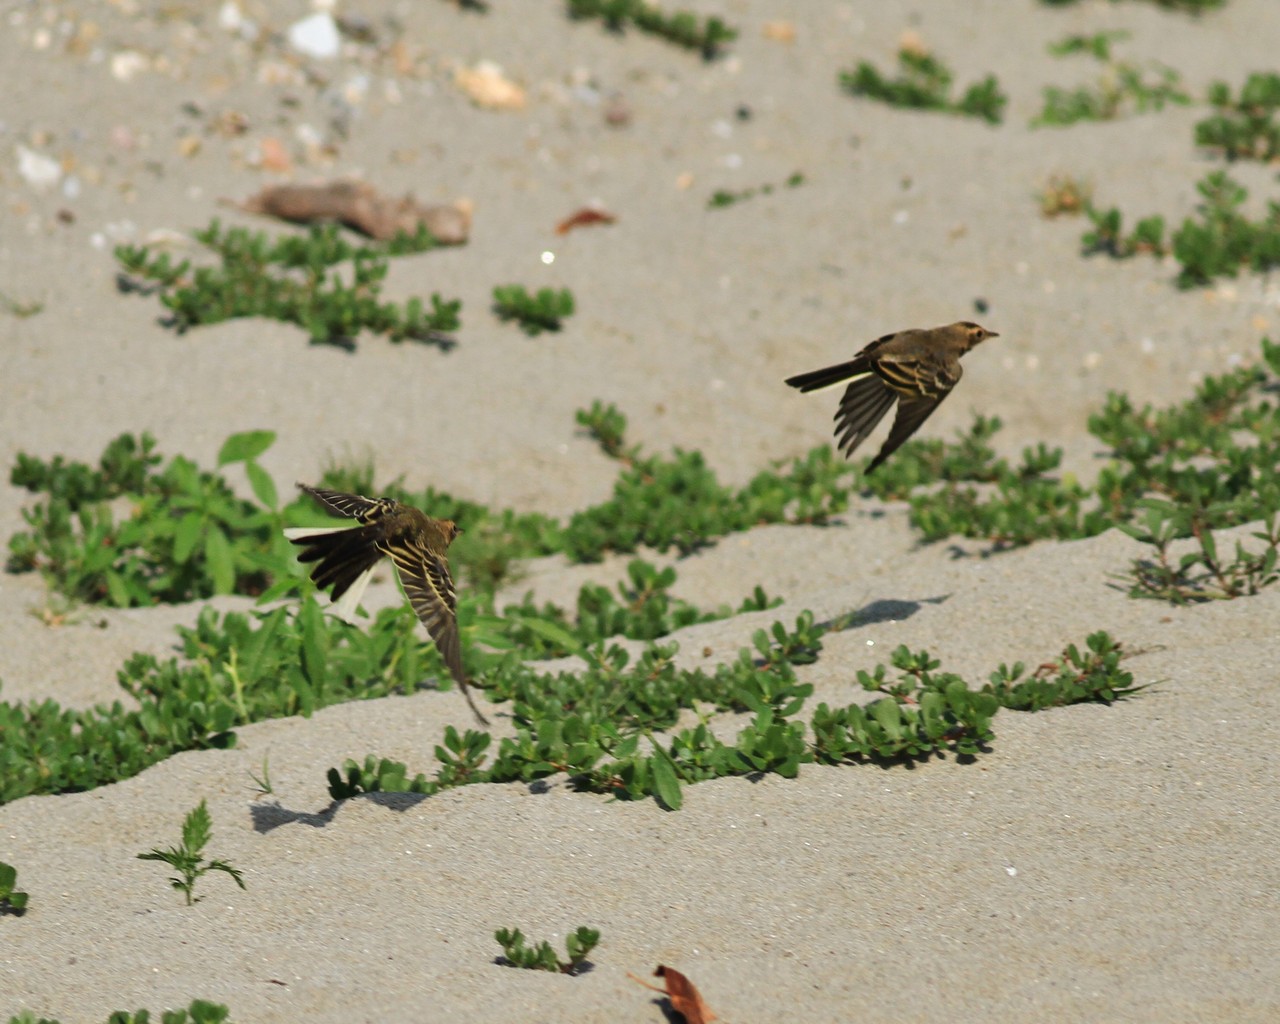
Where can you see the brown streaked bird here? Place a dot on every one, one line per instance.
(416, 545)
(916, 368)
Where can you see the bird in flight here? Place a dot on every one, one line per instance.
(416, 545)
(915, 368)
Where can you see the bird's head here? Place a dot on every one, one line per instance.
(973, 333)
(451, 530)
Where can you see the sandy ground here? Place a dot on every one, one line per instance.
(1101, 864)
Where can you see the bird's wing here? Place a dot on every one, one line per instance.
(429, 587)
(911, 413)
(353, 506)
(864, 404)
(346, 557)
(919, 374)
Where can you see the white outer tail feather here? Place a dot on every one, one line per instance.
(346, 606)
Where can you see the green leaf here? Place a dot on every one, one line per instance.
(666, 785)
(217, 552)
(245, 446)
(196, 828)
(556, 634)
(185, 536)
(313, 643)
(264, 488)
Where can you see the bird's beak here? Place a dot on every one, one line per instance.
(992, 334)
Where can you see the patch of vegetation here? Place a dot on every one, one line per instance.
(590, 725)
(188, 858)
(708, 36)
(722, 197)
(12, 900)
(1065, 196)
(234, 669)
(1124, 88)
(292, 279)
(1200, 574)
(545, 311)
(1186, 6)
(1244, 128)
(186, 535)
(199, 1012)
(1097, 45)
(542, 957)
(924, 82)
(643, 610)
(676, 501)
(1220, 242)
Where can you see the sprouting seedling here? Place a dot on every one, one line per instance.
(187, 859)
(262, 783)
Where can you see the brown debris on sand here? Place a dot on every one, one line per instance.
(361, 207)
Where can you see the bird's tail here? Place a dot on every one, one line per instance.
(829, 376)
(345, 558)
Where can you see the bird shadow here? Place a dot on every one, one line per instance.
(887, 610)
(267, 817)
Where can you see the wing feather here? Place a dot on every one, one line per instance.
(864, 404)
(353, 506)
(911, 413)
(429, 587)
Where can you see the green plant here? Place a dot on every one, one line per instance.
(199, 1012)
(1065, 195)
(188, 859)
(1108, 235)
(1089, 676)
(677, 501)
(187, 535)
(682, 28)
(291, 279)
(643, 610)
(536, 313)
(1200, 574)
(1097, 45)
(608, 428)
(1122, 87)
(1244, 128)
(12, 900)
(925, 83)
(263, 783)
(1187, 6)
(542, 957)
(599, 726)
(1218, 244)
(722, 197)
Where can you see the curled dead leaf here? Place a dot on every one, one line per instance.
(585, 217)
(684, 998)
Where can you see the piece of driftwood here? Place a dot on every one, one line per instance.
(361, 207)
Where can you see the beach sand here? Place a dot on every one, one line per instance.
(1098, 864)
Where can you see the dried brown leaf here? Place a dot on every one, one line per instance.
(684, 998)
(585, 217)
